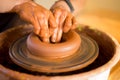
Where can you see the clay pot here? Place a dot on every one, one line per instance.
(69, 45)
(109, 55)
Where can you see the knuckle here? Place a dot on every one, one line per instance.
(57, 11)
(46, 12)
(42, 15)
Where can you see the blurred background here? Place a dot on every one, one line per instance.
(91, 6)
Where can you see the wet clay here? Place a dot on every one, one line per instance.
(85, 55)
(69, 45)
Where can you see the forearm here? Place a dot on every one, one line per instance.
(8, 5)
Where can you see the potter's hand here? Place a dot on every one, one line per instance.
(41, 18)
(64, 19)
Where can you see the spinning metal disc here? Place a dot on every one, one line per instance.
(85, 55)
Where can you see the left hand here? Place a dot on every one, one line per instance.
(42, 19)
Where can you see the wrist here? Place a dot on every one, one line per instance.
(61, 4)
(16, 6)
(70, 5)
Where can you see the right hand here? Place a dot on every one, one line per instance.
(64, 19)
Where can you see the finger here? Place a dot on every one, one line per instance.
(59, 35)
(45, 39)
(74, 22)
(60, 26)
(52, 21)
(54, 36)
(45, 36)
(68, 23)
(56, 14)
(44, 31)
(62, 18)
(36, 25)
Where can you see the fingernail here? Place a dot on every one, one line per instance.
(53, 40)
(46, 40)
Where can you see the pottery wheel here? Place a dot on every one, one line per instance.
(84, 56)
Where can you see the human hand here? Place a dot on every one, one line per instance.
(64, 19)
(42, 19)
